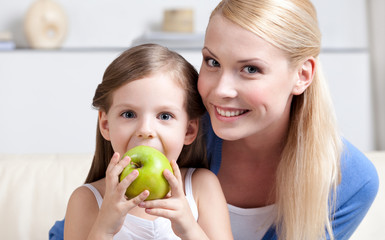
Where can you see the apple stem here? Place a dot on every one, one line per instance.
(137, 165)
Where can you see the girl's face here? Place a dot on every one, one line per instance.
(245, 82)
(148, 111)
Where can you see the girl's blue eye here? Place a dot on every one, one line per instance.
(165, 116)
(212, 62)
(129, 114)
(251, 69)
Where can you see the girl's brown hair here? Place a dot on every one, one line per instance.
(136, 63)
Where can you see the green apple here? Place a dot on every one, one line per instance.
(150, 163)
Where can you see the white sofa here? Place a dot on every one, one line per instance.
(34, 190)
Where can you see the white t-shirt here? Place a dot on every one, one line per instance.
(143, 229)
(251, 223)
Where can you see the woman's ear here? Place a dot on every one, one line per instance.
(103, 125)
(192, 131)
(305, 76)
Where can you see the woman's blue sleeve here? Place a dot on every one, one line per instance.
(355, 193)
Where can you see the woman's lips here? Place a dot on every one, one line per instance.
(227, 112)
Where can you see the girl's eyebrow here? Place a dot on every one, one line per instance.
(166, 107)
(170, 107)
(124, 105)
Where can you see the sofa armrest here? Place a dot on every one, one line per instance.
(35, 189)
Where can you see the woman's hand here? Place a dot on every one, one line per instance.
(115, 205)
(175, 207)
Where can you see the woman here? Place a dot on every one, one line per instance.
(273, 141)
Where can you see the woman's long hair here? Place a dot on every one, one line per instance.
(309, 170)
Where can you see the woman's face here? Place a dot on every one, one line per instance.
(245, 82)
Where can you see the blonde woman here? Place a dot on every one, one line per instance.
(272, 137)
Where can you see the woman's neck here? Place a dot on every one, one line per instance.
(263, 149)
(248, 171)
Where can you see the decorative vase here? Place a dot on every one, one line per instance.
(45, 24)
(178, 20)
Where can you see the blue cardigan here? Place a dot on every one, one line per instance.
(355, 193)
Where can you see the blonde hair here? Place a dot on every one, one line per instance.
(309, 170)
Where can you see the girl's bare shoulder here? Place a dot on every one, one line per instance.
(204, 181)
(83, 198)
(82, 210)
(200, 175)
(203, 174)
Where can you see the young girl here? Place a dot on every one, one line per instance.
(148, 96)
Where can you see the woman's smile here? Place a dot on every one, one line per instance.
(230, 112)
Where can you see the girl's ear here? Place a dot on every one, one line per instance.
(192, 131)
(103, 125)
(305, 76)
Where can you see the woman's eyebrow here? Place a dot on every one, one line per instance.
(205, 48)
(239, 61)
(252, 60)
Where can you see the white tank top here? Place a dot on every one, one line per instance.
(251, 223)
(143, 229)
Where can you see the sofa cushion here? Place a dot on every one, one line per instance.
(372, 226)
(34, 191)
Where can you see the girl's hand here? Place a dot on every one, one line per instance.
(115, 205)
(176, 207)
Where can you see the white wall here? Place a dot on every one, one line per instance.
(376, 9)
(45, 96)
(105, 23)
(346, 61)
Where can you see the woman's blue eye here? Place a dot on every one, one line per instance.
(128, 114)
(212, 63)
(251, 69)
(165, 116)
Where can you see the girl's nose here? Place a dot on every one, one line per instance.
(145, 130)
(145, 134)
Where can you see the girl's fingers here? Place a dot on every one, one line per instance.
(115, 167)
(114, 160)
(117, 170)
(138, 199)
(126, 182)
(111, 180)
(160, 212)
(174, 180)
(167, 208)
(176, 170)
(154, 204)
